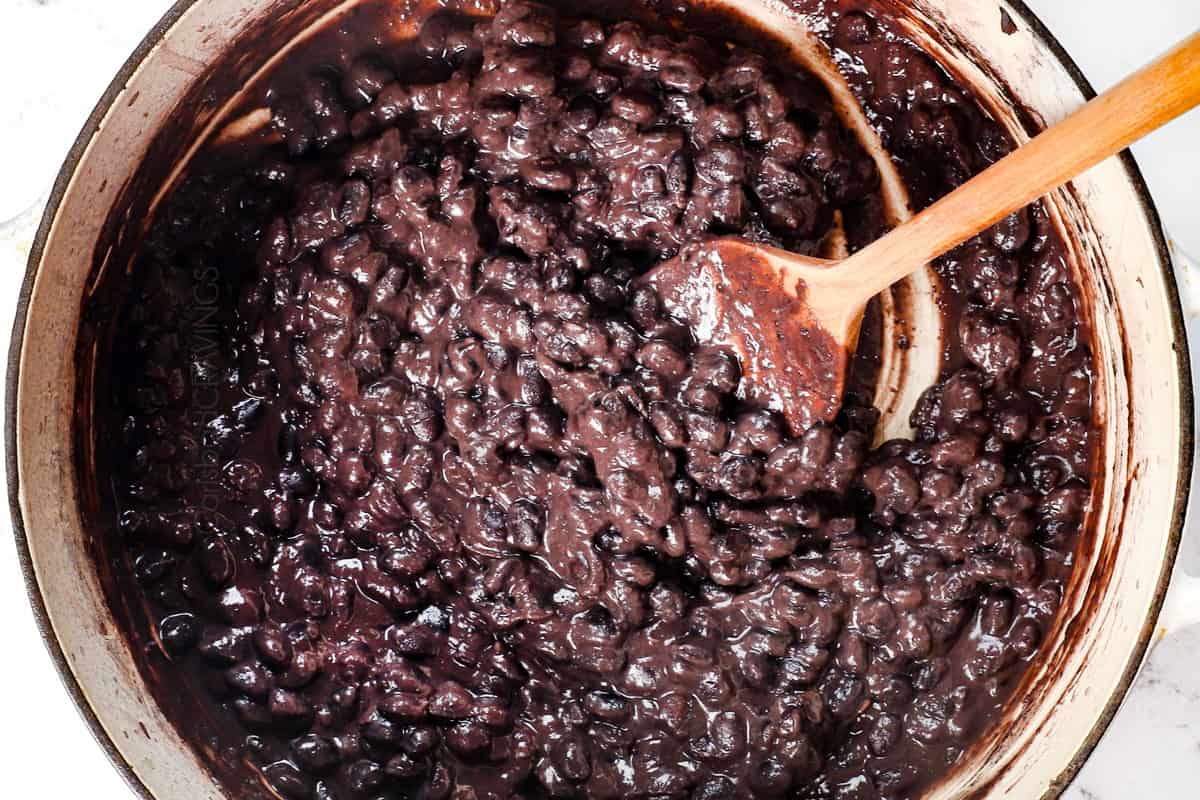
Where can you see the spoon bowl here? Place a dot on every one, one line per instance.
(757, 301)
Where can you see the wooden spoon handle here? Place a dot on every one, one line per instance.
(1108, 124)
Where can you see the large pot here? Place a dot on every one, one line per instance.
(167, 94)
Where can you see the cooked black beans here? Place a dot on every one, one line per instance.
(433, 498)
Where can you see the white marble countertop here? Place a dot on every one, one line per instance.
(57, 56)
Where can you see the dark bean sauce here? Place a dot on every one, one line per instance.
(428, 498)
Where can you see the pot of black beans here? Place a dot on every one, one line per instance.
(382, 474)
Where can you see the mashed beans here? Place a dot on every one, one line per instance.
(490, 523)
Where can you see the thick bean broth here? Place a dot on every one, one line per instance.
(428, 497)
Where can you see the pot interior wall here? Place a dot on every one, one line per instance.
(157, 108)
(1143, 402)
(65, 513)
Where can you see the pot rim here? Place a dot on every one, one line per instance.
(1187, 444)
(1022, 13)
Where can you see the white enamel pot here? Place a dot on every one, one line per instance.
(171, 90)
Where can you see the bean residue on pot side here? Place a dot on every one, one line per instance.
(428, 497)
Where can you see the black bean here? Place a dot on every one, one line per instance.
(364, 775)
(178, 633)
(288, 781)
(315, 754)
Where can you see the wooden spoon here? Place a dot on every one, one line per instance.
(793, 320)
